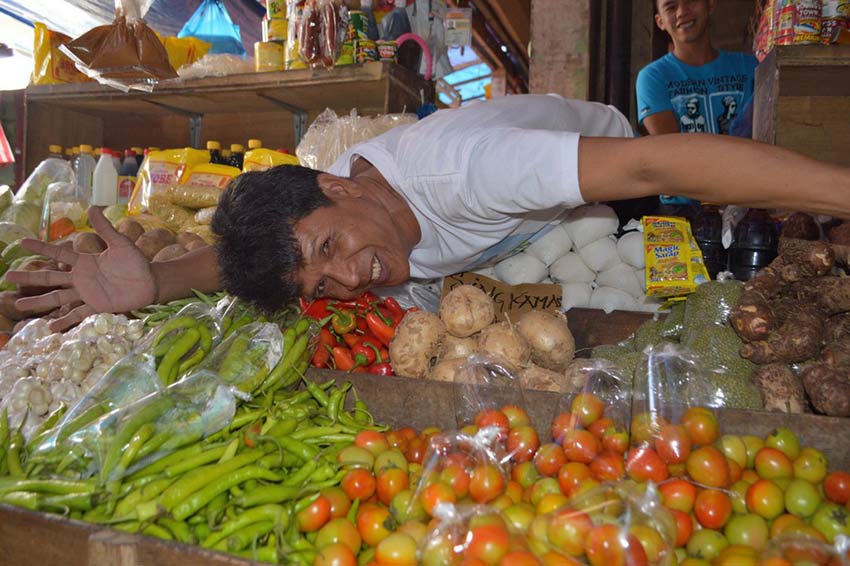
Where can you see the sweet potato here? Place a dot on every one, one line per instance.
(152, 241)
(129, 228)
(781, 390)
(828, 388)
(88, 243)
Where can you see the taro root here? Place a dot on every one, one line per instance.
(828, 388)
(781, 390)
(800, 226)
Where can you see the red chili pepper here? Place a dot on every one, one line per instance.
(380, 369)
(323, 354)
(363, 354)
(394, 308)
(367, 299)
(385, 354)
(379, 328)
(317, 308)
(351, 339)
(361, 321)
(343, 359)
(251, 435)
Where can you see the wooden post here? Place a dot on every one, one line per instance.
(113, 548)
(560, 47)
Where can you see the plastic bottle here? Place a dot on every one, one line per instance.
(237, 155)
(754, 245)
(84, 168)
(116, 158)
(225, 156)
(105, 181)
(127, 176)
(69, 154)
(255, 144)
(55, 151)
(707, 227)
(140, 154)
(214, 148)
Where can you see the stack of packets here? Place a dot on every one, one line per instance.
(674, 262)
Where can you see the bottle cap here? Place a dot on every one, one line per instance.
(708, 203)
(69, 151)
(137, 149)
(225, 153)
(85, 148)
(236, 148)
(153, 148)
(75, 150)
(55, 149)
(105, 151)
(213, 145)
(96, 152)
(255, 144)
(130, 153)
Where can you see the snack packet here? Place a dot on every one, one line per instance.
(262, 158)
(50, 65)
(674, 263)
(160, 170)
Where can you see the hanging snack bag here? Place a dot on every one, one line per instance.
(159, 171)
(674, 263)
(50, 65)
(262, 158)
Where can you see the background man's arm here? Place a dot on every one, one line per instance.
(715, 168)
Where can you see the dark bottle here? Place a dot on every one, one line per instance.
(237, 155)
(707, 227)
(214, 148)
(754, 247)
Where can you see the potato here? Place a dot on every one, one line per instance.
(552, 344)
(190, 240)
(465, 310)
(454, 347)
(416, 341)
(449, 369)
(170, 252)
(152, 241)
(129, 228)
(502, 341)
(541, 379)
(88, 243)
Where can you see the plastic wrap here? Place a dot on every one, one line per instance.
(212, 23)
(329, 136)
(159, 171)
(184, 50)
(51, 170)
(177, 218)
(791, 550)
(125, 54)
(216, 65)
(205, 215)
(50, 65)
(62, 200)
(485, 384)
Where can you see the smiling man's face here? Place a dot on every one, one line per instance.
(685, 20)
(350, 247)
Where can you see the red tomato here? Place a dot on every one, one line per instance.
(673, 444)
(456, 476)
(712, 508)
(339, 530)
(525, 474)
(684, 527)
(707, 465)
(607, 545)
(520, 558)
(615, 439)
(678, 494)
(766, 499)
(493, 417)
(359, 484)
(486, 483)
(516, 416)
(567, 530)
(836, 487)
(702, 425)
(315, 515)
(487, 543)
(771, 463)
(336, 554)
(580, 446)
(644, 464)
(389, 483)
(645, 427)
(372, 440)
(563, 423)
(522, 443)
(434, 494)
(587, 408)
(408, 433)
(397, 439)
(571, 475)
(340, 503)
(549, 459)
(416, 448)
(374, 523)
(608, 466)
(599, 426)
(397, 549)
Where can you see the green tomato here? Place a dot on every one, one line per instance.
(810, 465)
(733, 447)
(753, 445)
(706, 544)
(831, 520)
(784, 440)
(738, 496)
(802, 498)
(748, 529)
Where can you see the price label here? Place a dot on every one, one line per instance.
(458, 23)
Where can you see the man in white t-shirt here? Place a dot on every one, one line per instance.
(458, 189)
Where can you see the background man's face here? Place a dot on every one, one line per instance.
(686, 21)
(693, 109)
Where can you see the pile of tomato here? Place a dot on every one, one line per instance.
(724, 496)
(355, 335)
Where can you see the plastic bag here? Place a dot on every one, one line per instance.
(159, 171)
(176, 218)
(797, 550)
(50, 65)
(51, 170)
(125, 54)
(212, 23)
(329, 136)
(318, 34)
(63, 200)
(220, 65)
(261, 159)
(184, 50)
(485, 384)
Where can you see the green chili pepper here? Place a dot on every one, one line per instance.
(68, 502)
(25, 499)
(54, 486)
(303, 473)
(142, 435)
(263, 554)
(247, 536)
(13, 454)
(176, 323)
(206, 337)
(206, 494)
(153, 530)
(126, 505)
(298, 448)
(317, 392)
(158, 466)
(179, 530)
(194, 359)
(148, 413)
(268, 494)
(274, 513)
(192, 462)
(168, 366)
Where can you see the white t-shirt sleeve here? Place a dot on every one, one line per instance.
(517, 170)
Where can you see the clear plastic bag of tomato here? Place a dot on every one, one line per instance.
(484, 384)
(795, 550)
(620, 523)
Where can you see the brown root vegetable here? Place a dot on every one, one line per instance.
(840, 234)
(837, 327)
(152, 241)
(752, 318)
(465, 310)
(552, 344)
(416, 341)
(449, 369)
(800, 226)
(88, 243)
(190, 240)
(454, 347)
(802, 258)
(828, 388)
(129, 228)
(766, 282)
(781, 390)
(502, 341)
(542, 379)
(170, 252)
(837, 352)
(830, 293)
(798, 339)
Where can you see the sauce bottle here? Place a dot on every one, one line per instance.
(754, 246)
(237, 155)
(707, 227)
(214, 148)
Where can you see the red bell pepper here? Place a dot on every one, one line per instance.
(380, 369)
(317, 308)
(379, 328)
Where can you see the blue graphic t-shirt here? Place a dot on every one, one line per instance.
(705, 99)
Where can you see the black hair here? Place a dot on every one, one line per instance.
(258, 255)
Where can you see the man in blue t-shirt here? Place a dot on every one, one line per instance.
(695, 88)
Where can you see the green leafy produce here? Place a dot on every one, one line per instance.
(11, 232)
(24, 214)
(6, 197)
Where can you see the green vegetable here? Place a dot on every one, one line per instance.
(24, 214)
(6, 198)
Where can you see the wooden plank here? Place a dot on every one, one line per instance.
(815, 126)
(592, 327)
(50, 124)
(560, 47)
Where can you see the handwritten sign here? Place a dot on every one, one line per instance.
(511, 300)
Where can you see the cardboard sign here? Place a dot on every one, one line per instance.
(511, 300)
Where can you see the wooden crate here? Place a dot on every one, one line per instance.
(274, 107)
(802, 101)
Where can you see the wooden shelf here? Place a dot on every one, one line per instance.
(232, 108)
